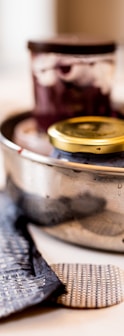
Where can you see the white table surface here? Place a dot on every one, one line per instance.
(16, 95)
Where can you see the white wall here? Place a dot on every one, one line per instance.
(21, 20)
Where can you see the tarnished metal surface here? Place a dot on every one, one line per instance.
(79, 203)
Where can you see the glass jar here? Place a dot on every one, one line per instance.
(89, 140)
(72, 76)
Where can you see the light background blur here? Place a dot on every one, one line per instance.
(24, 19)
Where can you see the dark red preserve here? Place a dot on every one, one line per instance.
(72, 77)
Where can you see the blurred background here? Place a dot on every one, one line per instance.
(21, 20)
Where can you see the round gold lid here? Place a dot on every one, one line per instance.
(98, 135)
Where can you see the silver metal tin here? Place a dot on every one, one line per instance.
(82, 204)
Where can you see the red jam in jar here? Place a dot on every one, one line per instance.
(72, 76)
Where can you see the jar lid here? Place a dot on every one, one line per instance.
(98, 135)
(69, 44)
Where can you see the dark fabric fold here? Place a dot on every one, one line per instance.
(25, 277)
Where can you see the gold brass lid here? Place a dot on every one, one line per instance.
(92, 134)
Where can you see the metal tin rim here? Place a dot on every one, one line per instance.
(31, 156)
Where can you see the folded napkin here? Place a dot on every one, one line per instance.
(25, 277)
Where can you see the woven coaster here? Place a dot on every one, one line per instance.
(90, 286)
